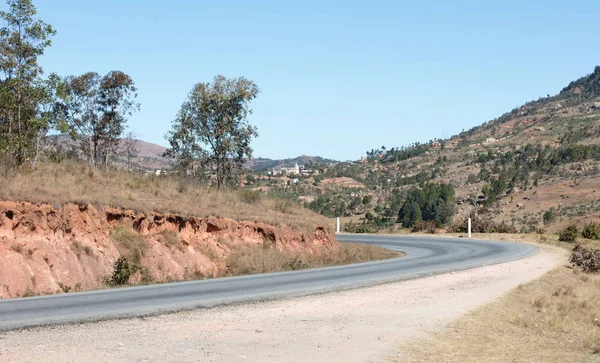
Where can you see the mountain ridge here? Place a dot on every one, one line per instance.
(150, 156)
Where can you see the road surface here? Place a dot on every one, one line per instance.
(424, 256)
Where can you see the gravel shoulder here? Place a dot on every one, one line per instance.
(349, 326)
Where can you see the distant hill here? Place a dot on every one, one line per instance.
(263, 164)
(149, 156)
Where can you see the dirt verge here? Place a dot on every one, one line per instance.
(553, 319)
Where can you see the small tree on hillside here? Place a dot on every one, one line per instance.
(211, 134)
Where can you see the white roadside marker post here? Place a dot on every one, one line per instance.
(469, 227)
(337, 226)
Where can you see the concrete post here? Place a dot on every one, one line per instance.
(469, 227)
(337, 226)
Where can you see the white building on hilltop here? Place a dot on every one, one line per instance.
(295, 170)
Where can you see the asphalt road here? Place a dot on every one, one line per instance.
(424, 256)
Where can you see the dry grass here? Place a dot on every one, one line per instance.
(80, 249)
(263, 259)
(553, 319)
(171, 240)
(75, 182)
(131, 245)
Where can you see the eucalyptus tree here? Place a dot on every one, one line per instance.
(97, 112)
(211, 135)
(25, 97)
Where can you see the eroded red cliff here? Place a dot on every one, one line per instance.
(47, 249)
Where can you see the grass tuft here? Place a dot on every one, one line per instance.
(170, 239)
(131, 246)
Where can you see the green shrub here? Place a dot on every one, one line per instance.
(568, 234)
(251, 179)
(122, 271)
(591, 231)
(549, 217)
(352, 227)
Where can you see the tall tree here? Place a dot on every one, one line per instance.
(98, 109)
(52, 112)
(211, 134)
(22, 40)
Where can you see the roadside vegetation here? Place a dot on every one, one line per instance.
(243, 259)
(263, 259)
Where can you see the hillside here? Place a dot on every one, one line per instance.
(264, 164)
(534, 167)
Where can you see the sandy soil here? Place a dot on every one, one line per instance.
(363, 325)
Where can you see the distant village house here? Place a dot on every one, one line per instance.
(295, 170)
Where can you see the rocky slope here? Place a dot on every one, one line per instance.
(48, 249)
(543, 157)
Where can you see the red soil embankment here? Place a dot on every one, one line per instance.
(47, 249)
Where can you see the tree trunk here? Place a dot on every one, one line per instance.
(38, 145)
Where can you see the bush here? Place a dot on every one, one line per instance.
(251, 179)
(427, 226)
(472, 179)
(568, 234)
(352, 227)
(371, 224)
(250, 196)
(549, 217)
(588, 260)
(482, 224)
(591, 231)
(122, 271)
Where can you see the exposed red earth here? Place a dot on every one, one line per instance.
(46, 249)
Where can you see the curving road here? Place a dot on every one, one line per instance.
(424, 256)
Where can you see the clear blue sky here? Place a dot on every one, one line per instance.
(337, 77)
